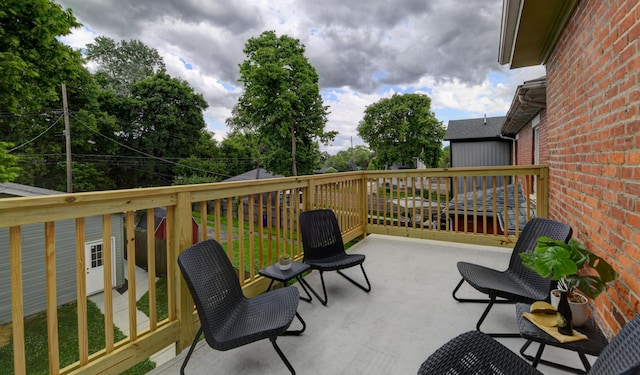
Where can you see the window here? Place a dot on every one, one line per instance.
(96, 255)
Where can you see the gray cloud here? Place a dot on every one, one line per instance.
(368, 49)
(349, 42)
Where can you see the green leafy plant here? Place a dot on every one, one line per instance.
(571, 264)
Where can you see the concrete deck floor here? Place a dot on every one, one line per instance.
(408, 314)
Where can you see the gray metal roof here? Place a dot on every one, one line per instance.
(475, 203)
(19, 190)
(254, 174)
(529, 99)
(474, 129)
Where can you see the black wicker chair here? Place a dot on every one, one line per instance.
(622, 355)
(324, 249)
(475, 353)
(228, 319)
(517, 283)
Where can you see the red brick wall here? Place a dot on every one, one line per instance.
(593, 109)
(524, 146)
(544, 138)
(524, 154)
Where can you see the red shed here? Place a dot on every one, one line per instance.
(160, 224)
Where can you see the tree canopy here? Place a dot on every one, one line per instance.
(121, 64)
(354, 158)
(162, 120)
(281, 103)
(400, 128)
(32, 60)
(133, 125)
(8, 169)
(138, 127)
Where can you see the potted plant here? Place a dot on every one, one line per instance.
(578, 272)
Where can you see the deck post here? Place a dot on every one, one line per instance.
(542, 193)
(184, 302)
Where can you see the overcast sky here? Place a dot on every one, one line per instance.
(363, 50)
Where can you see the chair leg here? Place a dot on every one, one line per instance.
(474, 300)
(324, 289)
(366, 289)
(282, 356)
(304, 286)
(484, 315)
(193, 345)
(296, 332)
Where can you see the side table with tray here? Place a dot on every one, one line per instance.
(592, 345)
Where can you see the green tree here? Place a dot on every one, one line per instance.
(122, 64)
(402, 127)
(240, 152)
(282, 102)
(203, 165)
(354, 158)
(445, 160)
(160, 124)
(8, 169)
(38, 135)
(32, 61)
(40, 141)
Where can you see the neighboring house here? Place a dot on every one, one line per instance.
(33, 257)
(477, 143)
(526, 123)
(415, 163)
(592, 128)
(268, 199)
(254, 174)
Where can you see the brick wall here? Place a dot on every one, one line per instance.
(524, 146)
(524, 154)
(593, 110)
(544, 138)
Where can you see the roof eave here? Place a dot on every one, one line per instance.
(529, 99)
(530, 30)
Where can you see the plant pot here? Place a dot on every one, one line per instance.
(579, 310)
(284, 263)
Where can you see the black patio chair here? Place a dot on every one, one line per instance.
(324, 249)
(517, 283)
(227, 318)
(474, 353)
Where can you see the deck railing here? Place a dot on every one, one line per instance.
(257, 222)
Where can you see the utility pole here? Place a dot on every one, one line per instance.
(67, 136)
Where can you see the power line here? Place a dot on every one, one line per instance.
(38, 136)
(146, 154)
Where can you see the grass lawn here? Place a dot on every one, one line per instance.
(36, 341)
(162, 308)
(256, 241)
